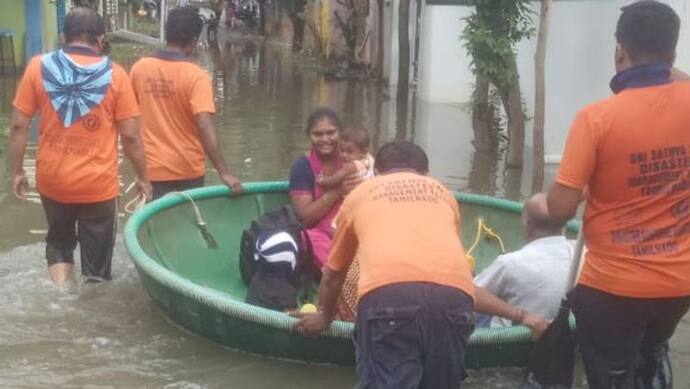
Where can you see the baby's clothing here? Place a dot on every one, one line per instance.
(365, 167)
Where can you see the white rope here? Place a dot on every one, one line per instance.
(137, 202)
(199, 219)
(205, 233)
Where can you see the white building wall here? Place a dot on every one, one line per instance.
(391, 60)
(579, 66)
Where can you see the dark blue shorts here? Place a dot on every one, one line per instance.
(161, 188)
(413, 335)
(92, 225)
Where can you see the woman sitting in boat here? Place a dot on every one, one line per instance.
(315, 205)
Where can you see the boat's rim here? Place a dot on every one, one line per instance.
(226, 304)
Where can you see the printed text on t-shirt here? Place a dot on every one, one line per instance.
(408, 190)
(661, 172)
(160, 88)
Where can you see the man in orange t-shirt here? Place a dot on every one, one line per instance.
(84, 101)
(177, 107)
(415, 290)
(632, 154)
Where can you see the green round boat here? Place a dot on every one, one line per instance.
(200, 288)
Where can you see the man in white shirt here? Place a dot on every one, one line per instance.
(533, 278)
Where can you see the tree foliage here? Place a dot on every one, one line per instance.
(490, 35)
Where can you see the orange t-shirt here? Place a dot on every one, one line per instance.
(632, 151)
(170, 93)
(403, 227)
(77, 164)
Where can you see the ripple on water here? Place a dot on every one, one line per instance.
(113, 335)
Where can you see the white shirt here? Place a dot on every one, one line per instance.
(533, 278)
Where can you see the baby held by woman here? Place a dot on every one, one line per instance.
(354, 152)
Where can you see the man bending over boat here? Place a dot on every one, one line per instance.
(177, 108)
(632, 153)
(533, 278)
(416, 295)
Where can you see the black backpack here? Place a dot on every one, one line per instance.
(284, 219)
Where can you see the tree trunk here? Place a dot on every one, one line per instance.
(481, 114)
(349, 34)
(379, 38)
(403, 67)
(297, 32)
(316, 35)
(262, 17)
(482, 175)
(512, 102)
(540, 98)
(361, 14)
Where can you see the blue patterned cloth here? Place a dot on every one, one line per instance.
(74, 89)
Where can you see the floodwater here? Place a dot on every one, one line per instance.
(113, 336)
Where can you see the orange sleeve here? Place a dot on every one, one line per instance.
(26, 99)
(201, 96)
(579, 157)
(132, 79)
(345, 241)
(126, 105)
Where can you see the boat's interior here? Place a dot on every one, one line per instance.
(172, 238)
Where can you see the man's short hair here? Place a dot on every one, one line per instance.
(356, 135)
(544, 223)
(401, 155)
(648, 31)
(83, 23)
(183, 26)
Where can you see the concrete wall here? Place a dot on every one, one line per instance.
(12, 17)
(391, 62)
(578, 68)
(51, 37)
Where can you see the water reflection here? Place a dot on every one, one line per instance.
(263, 97)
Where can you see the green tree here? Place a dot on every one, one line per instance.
(490, 35)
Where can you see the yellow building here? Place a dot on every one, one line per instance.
(32, 25)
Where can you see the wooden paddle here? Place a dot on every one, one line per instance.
(553, 359)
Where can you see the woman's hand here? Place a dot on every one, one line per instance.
(349, 184)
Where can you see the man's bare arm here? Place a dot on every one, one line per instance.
(331, 287)
(19, 125)
(488, 303)
(209, 140)
(133, 147)
(562, 201)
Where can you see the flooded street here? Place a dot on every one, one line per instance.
(113, 335)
